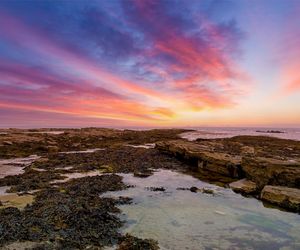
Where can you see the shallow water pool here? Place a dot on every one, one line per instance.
(180, 219)
(15, 166)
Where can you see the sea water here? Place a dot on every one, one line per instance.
(180, 219)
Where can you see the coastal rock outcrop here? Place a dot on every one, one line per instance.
(268, 171)
(261, 163)
(244, 186)
(213, 157)
(288, 198)
(203, 158)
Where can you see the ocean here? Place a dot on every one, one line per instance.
(227, 132)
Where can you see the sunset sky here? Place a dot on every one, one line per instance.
(149, 63)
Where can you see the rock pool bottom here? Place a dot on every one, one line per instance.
(181, 219)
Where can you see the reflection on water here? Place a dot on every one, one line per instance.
(93, 150)
(180, 219)
(146, 146)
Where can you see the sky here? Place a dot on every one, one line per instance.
(149, 63)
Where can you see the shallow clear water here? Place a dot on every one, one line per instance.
(77, 175)
(93, 150)
(223, 132)
(3, 190)
(146, 146)
(180, 219)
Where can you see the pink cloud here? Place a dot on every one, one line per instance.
(289, 55)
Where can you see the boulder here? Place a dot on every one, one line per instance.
(194, 189)
(244, 186)
(288, 198)
(129, 242)
(142, 174)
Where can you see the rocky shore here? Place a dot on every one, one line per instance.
(54, 201)
(264, 167)
(48, 207)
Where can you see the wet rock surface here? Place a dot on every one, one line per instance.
(44, 172)
(119, 159)
(194, 189)
(200, 190)
(129, 242)
(70, 216)
(23, 143)
(156, 189)
(270, 171)
(288, 198)
(30, 180)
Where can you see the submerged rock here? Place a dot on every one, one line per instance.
(243, 186)
(288, 198)
(202, 190)
(156, 189)
(143, 174)
(129, 242)
(207, 191)
(194, 189)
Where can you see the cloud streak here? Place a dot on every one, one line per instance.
(143, 61)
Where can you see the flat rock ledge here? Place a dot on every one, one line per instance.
(244, 186)
(202, 158)
(288, 198)
(268, 171)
